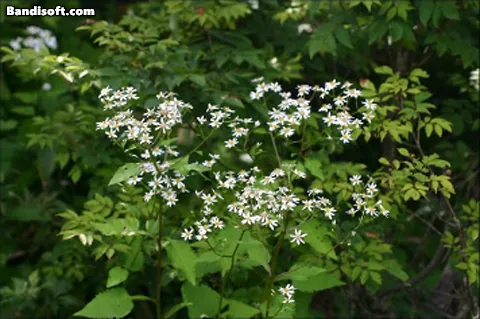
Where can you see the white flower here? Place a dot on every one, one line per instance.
(369, 105)
(287, 291)
(298, 237)
(304, 27)
(231, 143)
(46, 86)
(356, 180)
(187, 234)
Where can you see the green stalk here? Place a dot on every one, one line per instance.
(227, 275)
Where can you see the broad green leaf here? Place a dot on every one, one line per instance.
(116, 276)
(314, 166)
(317, 238)
(237, 309)
(343, 36)
(113, 303)
(202, 299)
(319, 282)
(183, 258)
(124, 173)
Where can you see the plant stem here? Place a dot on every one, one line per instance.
(227, 275)
(159, 261)
(273, 261)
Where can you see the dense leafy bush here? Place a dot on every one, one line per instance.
(234, 159)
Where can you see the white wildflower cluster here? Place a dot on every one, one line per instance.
(291, 111)
(155, 170)
(36, 39)
(257, 201)
(475, 79)
(217, 117)
(288, 291)
(365, 202)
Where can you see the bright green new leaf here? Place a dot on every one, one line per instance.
(116, 276)
(113, 303)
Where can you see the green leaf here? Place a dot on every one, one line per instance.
(364, 277)
(317, 238)
(396, 31)
(314, 166)
(404, 152)
(198, 79)
(258, 253)
(426, 8)
(113, 303)
(237, 309)
(394, 268)
(319, 282)
(376, 277)
(183, 258)
(124, 173)
(8, 125)
(176, 308)
(419, 73)
(384, 161)
(384, 70)
(343, 37)
(116, 276)
(449, 9)
(24, 110)
(203, 300)
(300, 272)
(321, 41)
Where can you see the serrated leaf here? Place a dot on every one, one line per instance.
(116, 276)
(113, 303)
(183, 258)
(124, 173)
